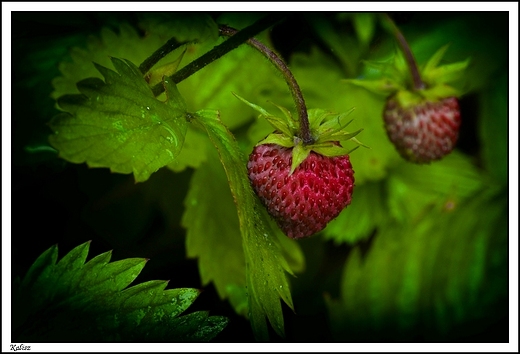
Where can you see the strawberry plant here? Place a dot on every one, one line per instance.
(297, 177)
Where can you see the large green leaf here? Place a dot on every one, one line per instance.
(266, 279)
(127, 43)
(119, 124)
(213, 232)
(74, 301)
(414, 188)
(438, 278)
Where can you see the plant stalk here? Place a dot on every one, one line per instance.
(418, 84)
(160, 53)
(220, 50)
(294, 88)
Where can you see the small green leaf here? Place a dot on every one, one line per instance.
(119, 124)
(279, 139)
(435, 59)
(446, 73)
(384, 87)
(286, 125)
(299, 154)
(365, 25)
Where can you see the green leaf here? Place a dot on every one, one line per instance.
(493, 128)
(367, 212)
(102, 310)
(383, 87)
(279, 139)
(119, 124)
(265, 265)
(428, 279)
(365, 25)
(216, 242)
(193, 152)
(126, 42)
(413, 188)
(435, 59)
(286, 125)
(299, 154)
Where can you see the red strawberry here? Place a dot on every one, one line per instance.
(423, 132)
(302, 203)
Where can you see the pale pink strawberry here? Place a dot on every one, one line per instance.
(423, 132)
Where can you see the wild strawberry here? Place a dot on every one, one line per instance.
(421, 115)
(303, 185)
(301, 203)
(423, 132)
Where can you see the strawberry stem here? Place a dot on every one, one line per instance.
(418, 84)
(294, 88)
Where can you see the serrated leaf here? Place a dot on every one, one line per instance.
(102, 310)
(126, 42)
(265, 266)
(119, 124)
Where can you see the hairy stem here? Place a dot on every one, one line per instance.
(418, 84)
(160, 53)
(305, 133)
(220, 50)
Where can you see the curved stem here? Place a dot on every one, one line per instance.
(305, 133)
(418, 84)
(220, 50)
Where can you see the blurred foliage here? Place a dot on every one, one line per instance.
(419, 255)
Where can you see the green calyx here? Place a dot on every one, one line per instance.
(327, 129)
(394, 79)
